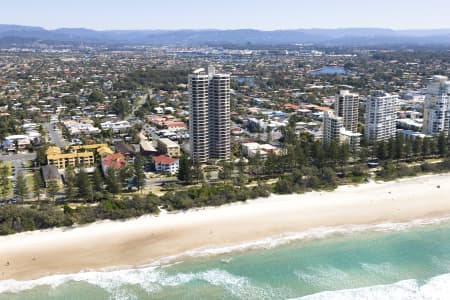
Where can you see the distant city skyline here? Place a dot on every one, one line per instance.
(230, 14)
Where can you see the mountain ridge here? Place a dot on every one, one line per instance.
(338, 36)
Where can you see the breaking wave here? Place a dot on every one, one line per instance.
(437, 288)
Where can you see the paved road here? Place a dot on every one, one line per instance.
(18, 162)
(55, 135)
(159, 181)
(139, 103)
(20, 157)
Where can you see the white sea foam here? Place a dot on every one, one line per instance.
(383, 269)
(152, 277)
(322, 276)
(437, 288)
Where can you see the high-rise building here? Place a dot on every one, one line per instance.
(335, 132)
(209, 115)
(437, 106)
(332, 126)
(198, 115)
(219, 116)
(347, 105)
(381, 116)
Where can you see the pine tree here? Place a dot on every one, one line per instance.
(197, 172)
(52, 188)
(442, 144)
(113, 181)
(139, 172)
(20, 189)
(37, 184)
(69, 188)
(407, 149)
(97, 180)
(399, 148)
(84, 185)
(185, 169)
(417, 146)
(5, 182)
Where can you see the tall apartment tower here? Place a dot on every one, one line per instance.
(198, 116)
(332, 127)
(209, 115)
(347, 105)
(437, 106)
(381, 116)
(219, 116)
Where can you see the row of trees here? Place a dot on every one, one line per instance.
(81, 186)
(78, 186)
(400, 148)
(15, 218)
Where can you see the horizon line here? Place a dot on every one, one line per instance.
(229, 29)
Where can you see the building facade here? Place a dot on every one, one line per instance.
(347, 105)
(209, 115)
(169, 147)
(166, 165)
(198, 115)
(219, 116)
(381, 116)
(332, 126)
(437, 106)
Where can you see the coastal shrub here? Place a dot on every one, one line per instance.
(17, 219)
(284, 186)
(405, 171)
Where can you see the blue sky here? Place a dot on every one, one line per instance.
(227, 14)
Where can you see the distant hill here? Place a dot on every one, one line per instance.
(10, 34)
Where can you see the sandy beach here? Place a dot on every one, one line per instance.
(139, 241)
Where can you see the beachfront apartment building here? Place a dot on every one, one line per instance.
(77, 159)
(198, 115)
(166, 165)
(381, 116)
(437, 106)
(209, 115)
(335, 132)
(332, 126)
(346, 107)
(78, 156)
(219, 116)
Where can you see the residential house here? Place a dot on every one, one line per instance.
(165, 164)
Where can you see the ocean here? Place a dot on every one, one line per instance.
(387, 261)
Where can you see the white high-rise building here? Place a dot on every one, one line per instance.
(437, 106)
(219, 116)
(381, 116)
(332, 126)
(209, 115)
(347, 105)
(198, 116)
(335, 132)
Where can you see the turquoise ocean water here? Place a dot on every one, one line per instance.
(389, 261)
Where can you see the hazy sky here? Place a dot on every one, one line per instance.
(227, 14)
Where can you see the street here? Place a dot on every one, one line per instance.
(54, 135)
(159, 181)
(20, 157)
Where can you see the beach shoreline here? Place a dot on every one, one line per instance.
(124, 244)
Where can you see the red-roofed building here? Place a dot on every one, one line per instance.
(175, 125)
(291, 107)
(116, 161)
(166, 164)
